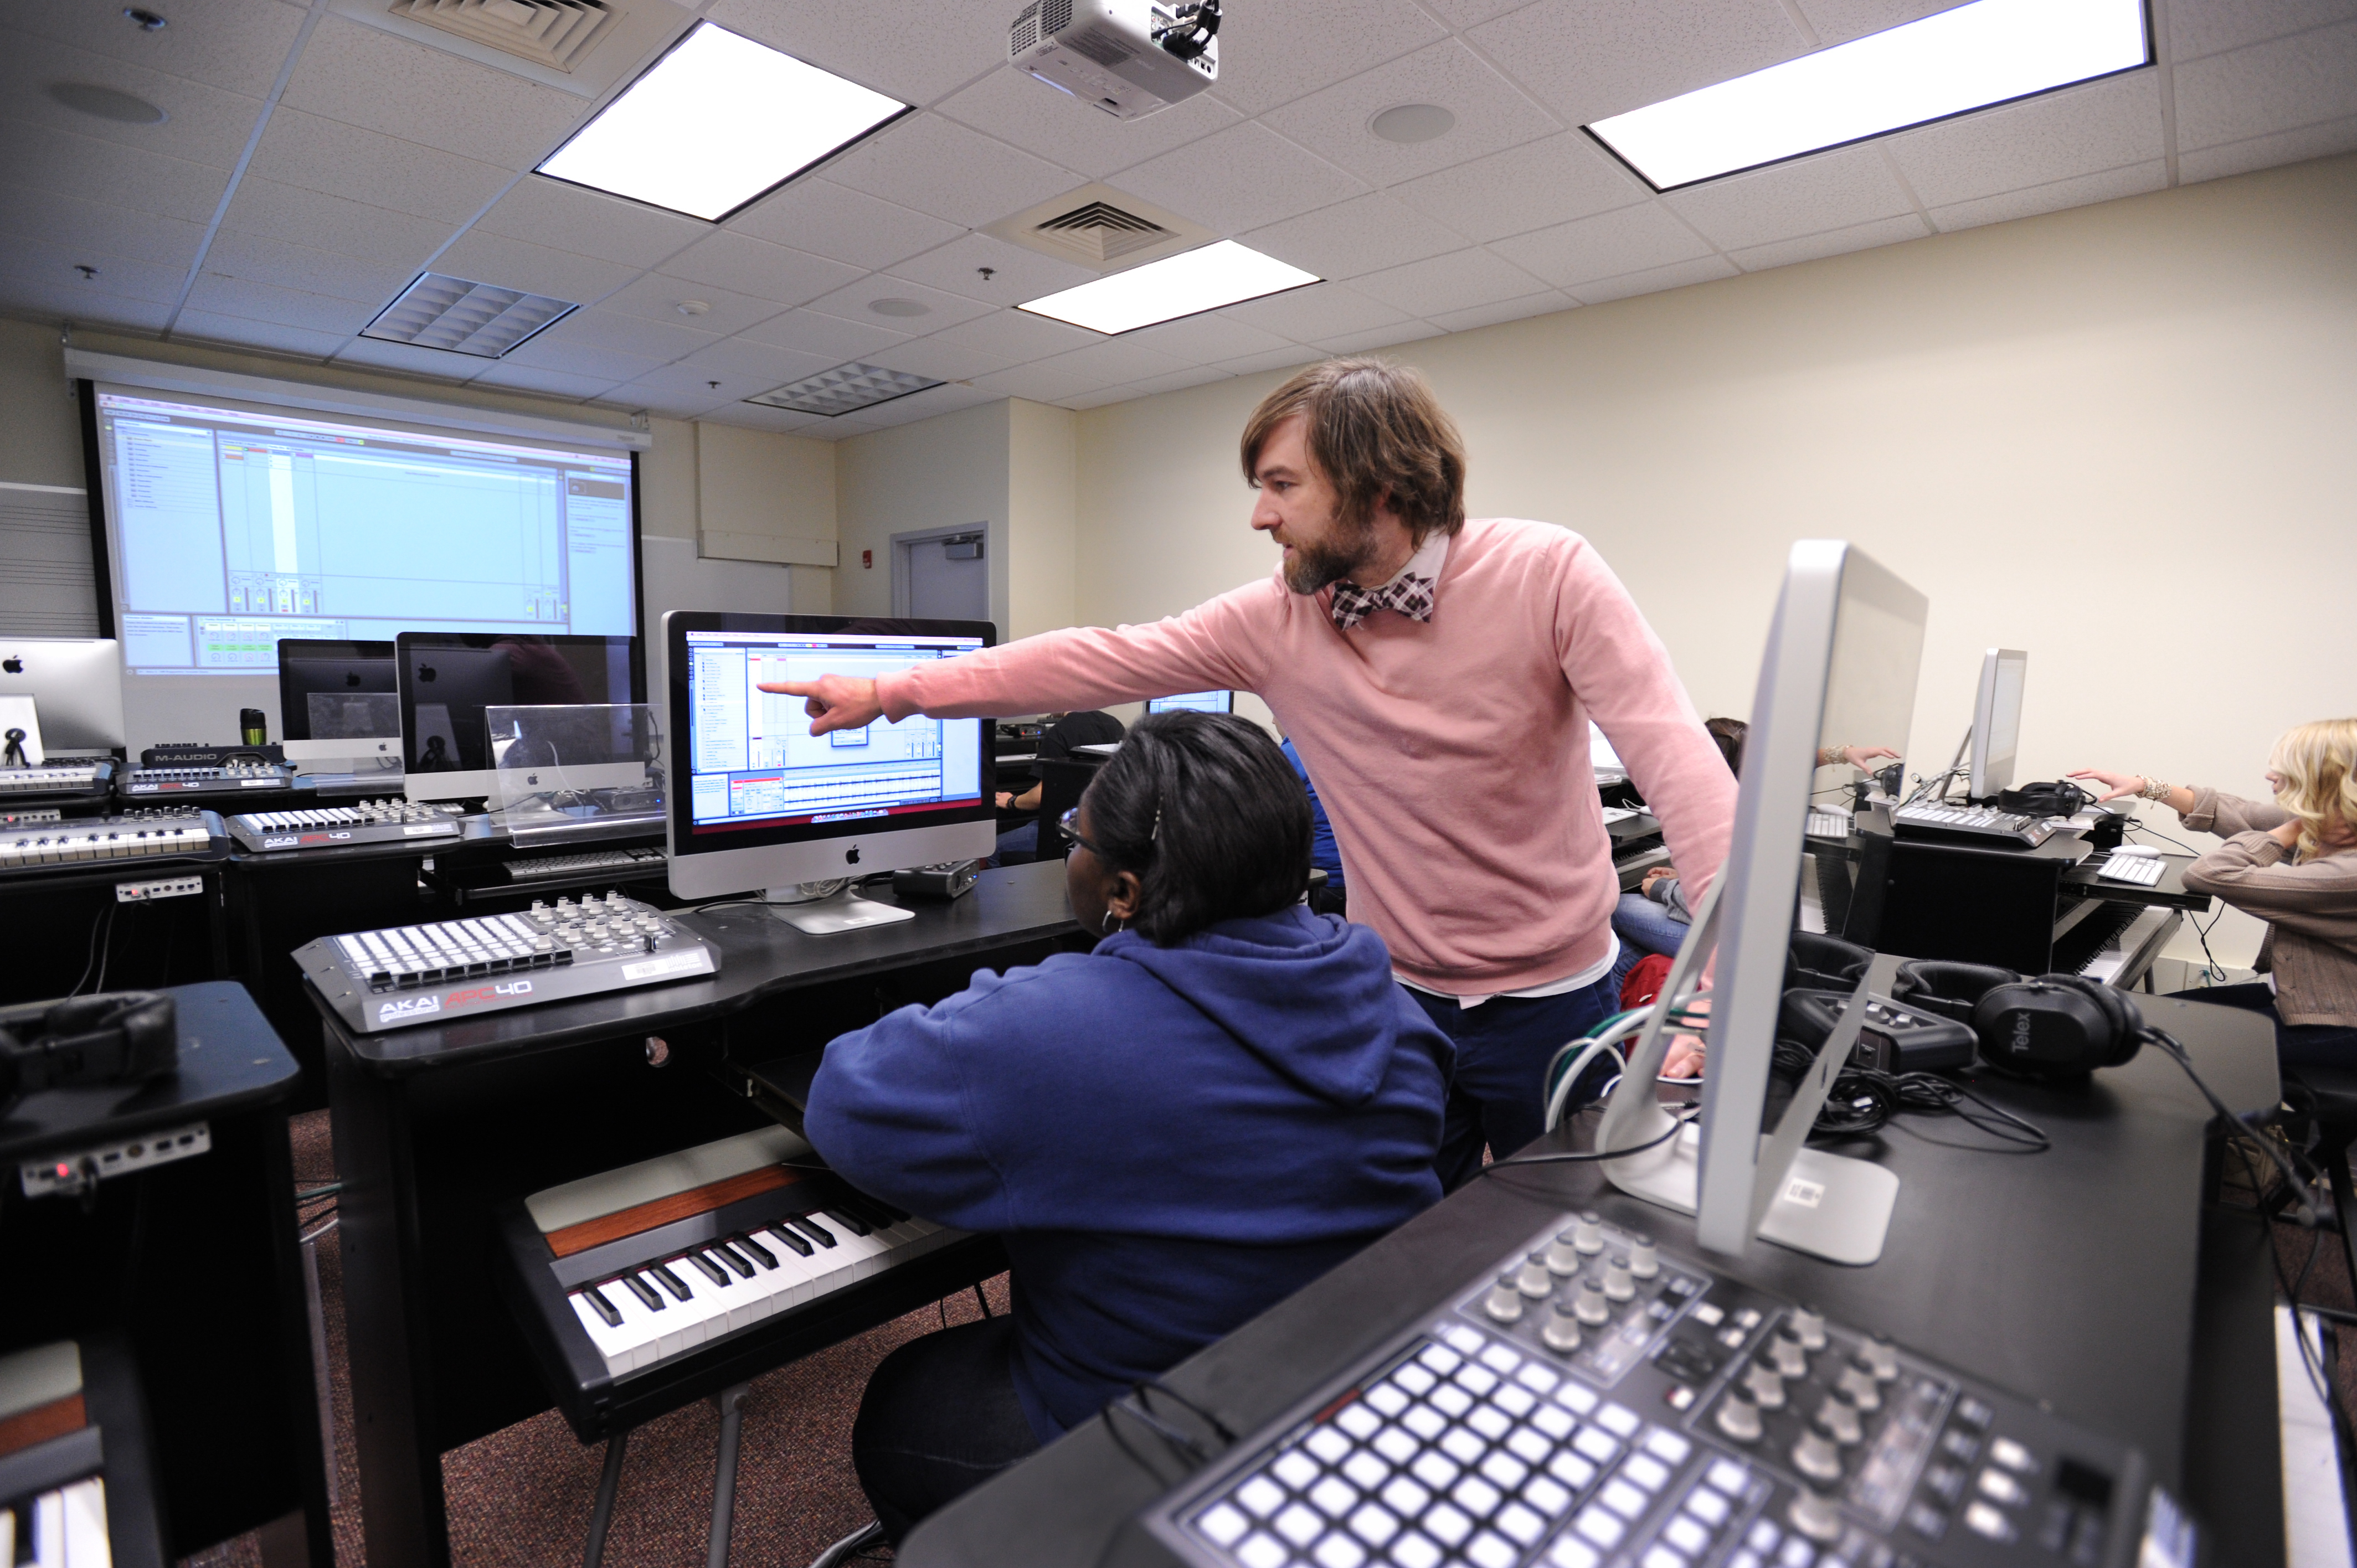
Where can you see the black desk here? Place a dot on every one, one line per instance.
(2079, 1274)
(435, 1126)
(194, 1264)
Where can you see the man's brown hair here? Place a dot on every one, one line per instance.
(1377, 433)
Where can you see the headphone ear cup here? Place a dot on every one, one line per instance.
(1949, 989)
(2126, 1023)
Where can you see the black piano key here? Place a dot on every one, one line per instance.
(881, 1216)
(741, 1264)
(842, 1215)
(711, 1270)
(670, 1282)
(791, 1238)
(602, 1307)
(812, 1228)
(753, 1249)
(644, 1292)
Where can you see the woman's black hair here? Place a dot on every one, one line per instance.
(1729, 735)
(1206, 811)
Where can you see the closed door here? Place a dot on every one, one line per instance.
(949, 579)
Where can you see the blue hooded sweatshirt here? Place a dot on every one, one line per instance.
(1168, 1140)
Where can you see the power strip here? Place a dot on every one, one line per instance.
(162, 887)
(72, 1174)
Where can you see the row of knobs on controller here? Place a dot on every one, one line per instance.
(1840, 1419)
(1587, 1305)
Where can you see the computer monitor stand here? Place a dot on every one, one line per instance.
(829, 913)
(1828, 1206)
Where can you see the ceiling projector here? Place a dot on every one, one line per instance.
(1128, 58)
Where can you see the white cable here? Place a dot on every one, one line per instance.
(1607, 1042)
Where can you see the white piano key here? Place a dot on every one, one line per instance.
(746, 1300)
(612, 1342)
(49, 1530)
(84, 1507)
(642, 1327)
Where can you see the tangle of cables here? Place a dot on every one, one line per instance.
(1862, 1099)
(1570, 1061)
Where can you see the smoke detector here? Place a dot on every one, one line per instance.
(1102, 229)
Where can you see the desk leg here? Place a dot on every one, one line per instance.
(400, 1468)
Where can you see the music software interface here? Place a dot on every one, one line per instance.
(236, 527)
(754, 763)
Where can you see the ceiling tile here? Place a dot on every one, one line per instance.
(1531, 187)
(1016, 336)
(2108, 185)
(241, 333)
(518, 263)
(1310, 315)
(1085, 400)
(1240, 178)
(234, 45)
(1178, 381)
(123, 232)
(925, 404)
(1273, 54)
(665, 402)
(585, 360)
(745, 369)
(1839, 21)
(327, 222)
(938, 167)
(54, 260)
(36, 299)
(1492, 116)
(1017, 275)
(754, 416)
(555, 384)
(759, 269)
(70, 165)
(220, 296)
(2267, 152)
(941, 309)
(2199, 28)
(1206, 339)
(1589, 59)
(1833, 242)
(1470, 13)
(660, 341)
(1459, 281)
(658, 297)
(1504, 310)
(843, 224)
(1653, 280)
(364, 76)
(207, 125)
(1831, 190)
(1380, 337)
(931, 357)
(917, 57)
(319, 153)
(829, 336)
(2080, 130)
(1357, 236)
(1027, 114)
(1628, 241)
(2268, 87)
(589, 223)
(1038, 383)
(1116, 361)
(1275, 360)
(689, 384)
(441, 364)
(298, 267)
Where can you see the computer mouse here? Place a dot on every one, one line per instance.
(2143, 850)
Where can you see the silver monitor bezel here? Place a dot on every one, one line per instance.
(1979, 785)
(84, 711)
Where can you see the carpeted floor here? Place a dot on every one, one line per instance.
(521, 1499)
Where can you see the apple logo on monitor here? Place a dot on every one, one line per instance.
(851, 855)
(13, 665)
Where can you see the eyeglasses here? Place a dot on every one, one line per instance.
(1070, 823)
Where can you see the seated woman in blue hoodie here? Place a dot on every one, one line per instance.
(1171, 1134)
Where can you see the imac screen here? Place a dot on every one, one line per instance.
(1194, 702)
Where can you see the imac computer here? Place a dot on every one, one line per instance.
(1193, 702)
(1997, 721)
(446, 680)
(1843, 654)
(759, 803)
(1610, 769)
(76, 684)
(338, 701)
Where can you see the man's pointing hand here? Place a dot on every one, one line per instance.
(832, 701)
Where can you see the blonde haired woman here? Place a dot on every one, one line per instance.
(2290, 863)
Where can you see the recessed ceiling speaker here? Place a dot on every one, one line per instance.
(1412, 122)
(106, 104)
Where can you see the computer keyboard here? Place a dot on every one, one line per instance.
(2144, 870)
(575, 864)
(1980, 823)
(1825, 824)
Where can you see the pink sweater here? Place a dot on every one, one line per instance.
(1451, 754)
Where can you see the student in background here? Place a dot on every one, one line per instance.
(1171, 1134)
(2292, 862)
(1655, 917)
(1324, 854)
(1020, 846)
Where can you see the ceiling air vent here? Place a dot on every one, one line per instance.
(844, 390)
(553, 33)
(1100, 228)
(477, 318)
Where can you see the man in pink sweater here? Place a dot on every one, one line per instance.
(1437, 674)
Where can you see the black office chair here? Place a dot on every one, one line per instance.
(1062, 783)
(2331, 1102)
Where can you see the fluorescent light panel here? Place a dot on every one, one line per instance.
(718, 122)
(1184, 284)
(844, 390)
(1970, 57)
(464, 317)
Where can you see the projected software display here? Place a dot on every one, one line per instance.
(233, 527)
(754, 763)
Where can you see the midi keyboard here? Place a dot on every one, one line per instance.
(91, 843)
(60, 782)
(220, 785)
(339, 827)
(1595, 1402)
(434, 973)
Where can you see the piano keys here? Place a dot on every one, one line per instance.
(52, 1493)
(2117, 943)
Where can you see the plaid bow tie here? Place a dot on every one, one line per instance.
(1411, 596)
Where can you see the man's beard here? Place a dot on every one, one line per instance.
(1312, 566)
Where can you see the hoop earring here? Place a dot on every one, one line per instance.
(1108, 916)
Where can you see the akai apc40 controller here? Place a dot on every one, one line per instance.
(339, 827)
(449, 970)
(1595, 1402)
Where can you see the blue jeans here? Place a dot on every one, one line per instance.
(1639, 922)
(1496, 1095)
(2296, 1045)
(1017, 846)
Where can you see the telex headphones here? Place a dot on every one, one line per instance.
(2055, 1026)
(2053, 798)
(122, 1036)
(1820, 962)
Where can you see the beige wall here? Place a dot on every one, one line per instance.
(1042, 510)
(2118, 436)
(944, 472)
(40, 429)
